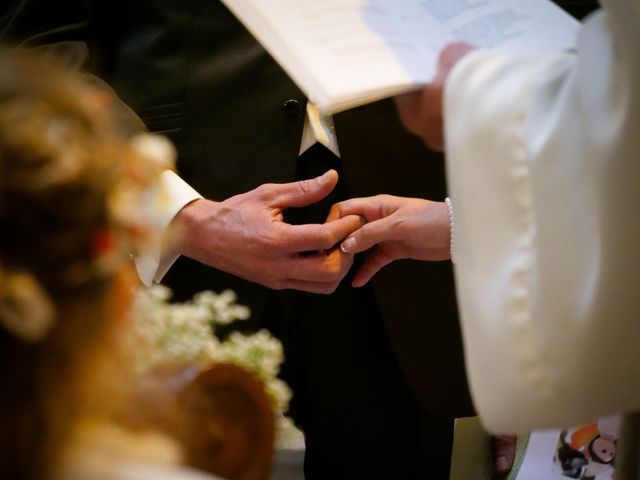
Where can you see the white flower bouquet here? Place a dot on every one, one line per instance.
(186, 332)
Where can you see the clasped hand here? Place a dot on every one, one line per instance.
(395, 228)
(247, 236)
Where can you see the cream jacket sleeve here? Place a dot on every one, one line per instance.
(544, 173)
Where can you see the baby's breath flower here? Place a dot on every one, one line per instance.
(223, 307)
(186, 332)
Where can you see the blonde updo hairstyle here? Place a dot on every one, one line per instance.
(63, 160)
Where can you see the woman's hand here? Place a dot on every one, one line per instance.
(398, 227)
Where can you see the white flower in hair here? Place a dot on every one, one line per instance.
(26, 310)
(155, 148)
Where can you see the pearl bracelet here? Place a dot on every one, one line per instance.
(447, 201)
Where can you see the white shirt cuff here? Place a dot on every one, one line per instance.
(168, 197)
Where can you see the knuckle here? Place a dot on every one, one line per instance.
(383, 258)
(336, 210)
(381, 202)
(266, 190)
(262, 243)
(270, 241)
(304, 187)
(327, 239)
(363, 235)
(397, 224)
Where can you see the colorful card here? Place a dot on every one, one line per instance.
(586, 452)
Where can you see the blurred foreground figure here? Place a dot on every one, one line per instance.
(72, 189)
(377, 374)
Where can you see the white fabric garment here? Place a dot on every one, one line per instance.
(173, 193)
(543, 160)
(117, 469)
(102, 451)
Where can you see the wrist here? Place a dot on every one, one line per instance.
(187, 225)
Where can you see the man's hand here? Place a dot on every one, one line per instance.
(421, 111)
(398, 227)
(246, 236)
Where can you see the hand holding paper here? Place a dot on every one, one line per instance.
(345, 53)
(421, 111)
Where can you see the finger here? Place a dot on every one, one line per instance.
(452, 53)
(504, 452)
(430, 122)
(303, 192)
(336, 213)
(330, 267)
(322, 288)
(408, 98)
(367, 236)
(432, 128)
(407, 105)
(309, 237)
(374, 262)
(369, 208)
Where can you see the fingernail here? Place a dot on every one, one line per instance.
(348, 245)
(501, 464)
(325, 177)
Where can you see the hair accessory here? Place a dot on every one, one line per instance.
(26, 310)
(130, 217)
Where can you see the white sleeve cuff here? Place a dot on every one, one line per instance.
(168, 197)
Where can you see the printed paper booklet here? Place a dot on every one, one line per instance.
(345, 53)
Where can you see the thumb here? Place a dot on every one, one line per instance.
(305, 192)
(366, 237)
